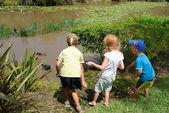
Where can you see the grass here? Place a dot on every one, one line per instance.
(51, 98)
(158, 102)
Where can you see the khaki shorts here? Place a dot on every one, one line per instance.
(103, 85)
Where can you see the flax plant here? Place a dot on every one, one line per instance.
(15, 78)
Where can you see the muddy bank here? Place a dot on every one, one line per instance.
(159, 11)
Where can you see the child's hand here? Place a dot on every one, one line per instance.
(89, 63)
(57, 74)
(126, 72)
(84, 84)
(133, 76)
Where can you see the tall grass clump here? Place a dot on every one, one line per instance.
(32, 30)
(62, 24)
(16, 78)
(5, 32)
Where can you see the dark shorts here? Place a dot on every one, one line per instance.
(139, 83)
(71, 83)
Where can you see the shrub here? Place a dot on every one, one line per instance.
(152, 30)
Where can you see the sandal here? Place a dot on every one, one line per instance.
(79, 110)
(67, 104)
(92, 103)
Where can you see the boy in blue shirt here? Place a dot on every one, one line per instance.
(143, 66)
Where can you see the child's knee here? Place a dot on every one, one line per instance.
(72, 91)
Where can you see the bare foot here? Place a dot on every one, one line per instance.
(106, 104)
(92, 103)
(146, 96)
(133, 99)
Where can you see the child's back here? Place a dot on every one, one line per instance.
(114, 59)
(71, 58)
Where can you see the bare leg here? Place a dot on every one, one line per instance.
(96, 95)
(66, 93)
(106, 98)
(93, 103)
(75, 98)
(146, 92)
(135, 94)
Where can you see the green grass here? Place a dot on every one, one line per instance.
(158, 102)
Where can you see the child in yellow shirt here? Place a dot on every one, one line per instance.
(71, 74)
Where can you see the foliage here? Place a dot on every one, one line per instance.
(45, 2)
(62, 24)
(5, 32)
(30, 65)
(15, 78)
(152, 30)
(10, 2)
(94, 15)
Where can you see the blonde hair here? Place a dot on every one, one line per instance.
(72, 38)
(112, 42)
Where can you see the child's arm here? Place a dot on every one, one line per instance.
(129, 66)
(138, 72)
(82, 77)
(101, 67)
(58, 63)
(121, 66)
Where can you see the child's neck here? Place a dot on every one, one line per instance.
(113, 50)
(71, 45)
(139, 53)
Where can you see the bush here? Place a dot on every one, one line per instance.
(51, 2)
(10, 2)
(152, 30)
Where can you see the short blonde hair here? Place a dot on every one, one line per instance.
(72, 38)
(112, 42)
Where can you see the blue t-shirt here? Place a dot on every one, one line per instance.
(143, 63)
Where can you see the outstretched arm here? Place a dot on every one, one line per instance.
(101, 67)
(129, 66)
(58, 63)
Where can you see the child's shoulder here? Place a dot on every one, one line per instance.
(114, 53)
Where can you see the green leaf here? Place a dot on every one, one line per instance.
(9, 99)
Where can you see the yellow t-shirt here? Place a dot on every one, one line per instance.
(71, 59)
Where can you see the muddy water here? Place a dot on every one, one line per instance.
(49, 44)
(25, 19)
